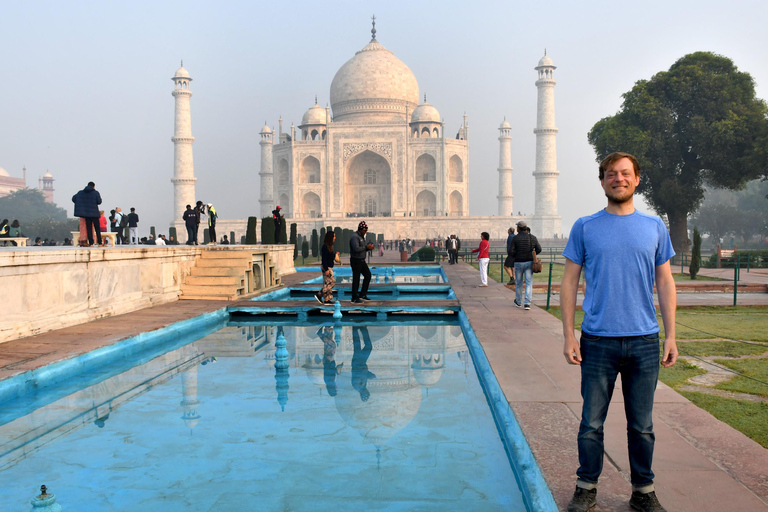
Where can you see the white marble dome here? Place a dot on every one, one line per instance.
(181, 73)
(47, 175)
(545, 61)
(374, 85)
(266, 129)
(4, 173)
(425, 113)
(315, 115)
(505, 124)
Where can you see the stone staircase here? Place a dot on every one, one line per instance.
(228, 275)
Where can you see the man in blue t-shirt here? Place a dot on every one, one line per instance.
(623, 253)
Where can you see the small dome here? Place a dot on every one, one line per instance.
(4, 173)
(181, 73)
(505, 124)
(546, 61)
(47, 175)
(266, 129)
(315, 115)
(425, 113)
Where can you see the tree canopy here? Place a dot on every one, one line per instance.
(697, 124)
(27, 205)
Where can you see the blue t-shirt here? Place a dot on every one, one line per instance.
(619, 254)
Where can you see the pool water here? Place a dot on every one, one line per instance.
(380, 274)
(374, 416)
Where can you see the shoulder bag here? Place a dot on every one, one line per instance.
(537, 264)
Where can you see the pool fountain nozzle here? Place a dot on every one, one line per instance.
(45, 502)
(337, 311)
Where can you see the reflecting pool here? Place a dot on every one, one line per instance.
(364, 416)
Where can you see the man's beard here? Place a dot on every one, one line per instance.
(619, 200)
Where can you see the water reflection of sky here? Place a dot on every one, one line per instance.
(385, 417)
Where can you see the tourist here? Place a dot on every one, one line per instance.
(225, 240)
(115, 220)
(357, 250)
(38, 242)
(521, 251)
(509, 262)
(87, 203)
(212, 216)
(453, 254)
(381, 248)
(160, 240)
(199, 211)
(15, 231)
(67, 242)
(328, 258)
(102, 222)
(191, 220)
(483, 257)
(623, 252)
(133, 227)
(121, 220)
(5, 229)
(279, 220)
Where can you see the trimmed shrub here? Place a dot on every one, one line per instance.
(425, 253)
(232, 238)
(693, 269)
(304, 249)
(346, 235)
(172, 235)
(338, 245)
(267, 230)
(315, 244)
(294, 240)
(153, 232)
(206, 236)
(250, 231)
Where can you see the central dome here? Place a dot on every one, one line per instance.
(374, 85)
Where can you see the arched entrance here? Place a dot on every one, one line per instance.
(455, 204)
(310, 170)
(310, 205)
(368, 185)
(426, 204)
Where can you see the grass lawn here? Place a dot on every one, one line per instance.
(495, 272)
(742, 323)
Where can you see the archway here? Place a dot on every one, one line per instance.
(310, 170)
(310, 205)
(426, 204)
(426, 168)
(284, 206)
(455, 204)
(282, 173)
(455, 169)
(368, 183)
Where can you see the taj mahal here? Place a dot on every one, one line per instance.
(381, 152)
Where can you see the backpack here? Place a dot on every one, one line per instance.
(123, 220)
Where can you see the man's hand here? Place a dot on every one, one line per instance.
(670, 353)
(571, 350)
(369, 247)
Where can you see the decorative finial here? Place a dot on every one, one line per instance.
(425, 97)
(182, 62)
(373, 30)
(545, 51)
(315, 99)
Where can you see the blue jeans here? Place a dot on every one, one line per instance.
(523, 268)
(636, 358)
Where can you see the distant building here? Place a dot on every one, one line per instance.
(9, 184)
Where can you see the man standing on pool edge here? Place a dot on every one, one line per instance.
(623, 252)
(357, 250)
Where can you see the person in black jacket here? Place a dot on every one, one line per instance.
(357, 250)
(191, 220)
(521, 249)
(87, 203)
(279, 220)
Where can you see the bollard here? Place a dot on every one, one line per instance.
(45, 502)
(281, 353)
(337, 311)
(549, 284)
(735, 280)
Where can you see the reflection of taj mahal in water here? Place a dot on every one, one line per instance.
(375, 377)
(380, 152)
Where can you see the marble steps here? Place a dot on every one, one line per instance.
(216, 271)
(217, 275)
(211, 292)
(226, 280)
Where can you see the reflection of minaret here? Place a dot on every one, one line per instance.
(183, 165)
(505, 170)
(546, 221)
(190, 401)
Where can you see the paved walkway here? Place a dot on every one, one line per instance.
(701, 463)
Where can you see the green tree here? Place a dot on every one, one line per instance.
(267, 230)
(28, 204)
(250, 231)
(315, 244)
(294, 240)
(698, 123)
(717, 220)
(695, 254)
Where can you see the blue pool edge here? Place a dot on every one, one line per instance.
(536, 493)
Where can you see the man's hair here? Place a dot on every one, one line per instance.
(485, 235)
(511, 230)
(189, 206)
(618, 155)
(91, 184)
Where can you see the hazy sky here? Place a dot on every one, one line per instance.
(86, 86)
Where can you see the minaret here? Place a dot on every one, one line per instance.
(183, 166)
(505, 170)
(546, 221)
(46, 185)
(266, 176)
